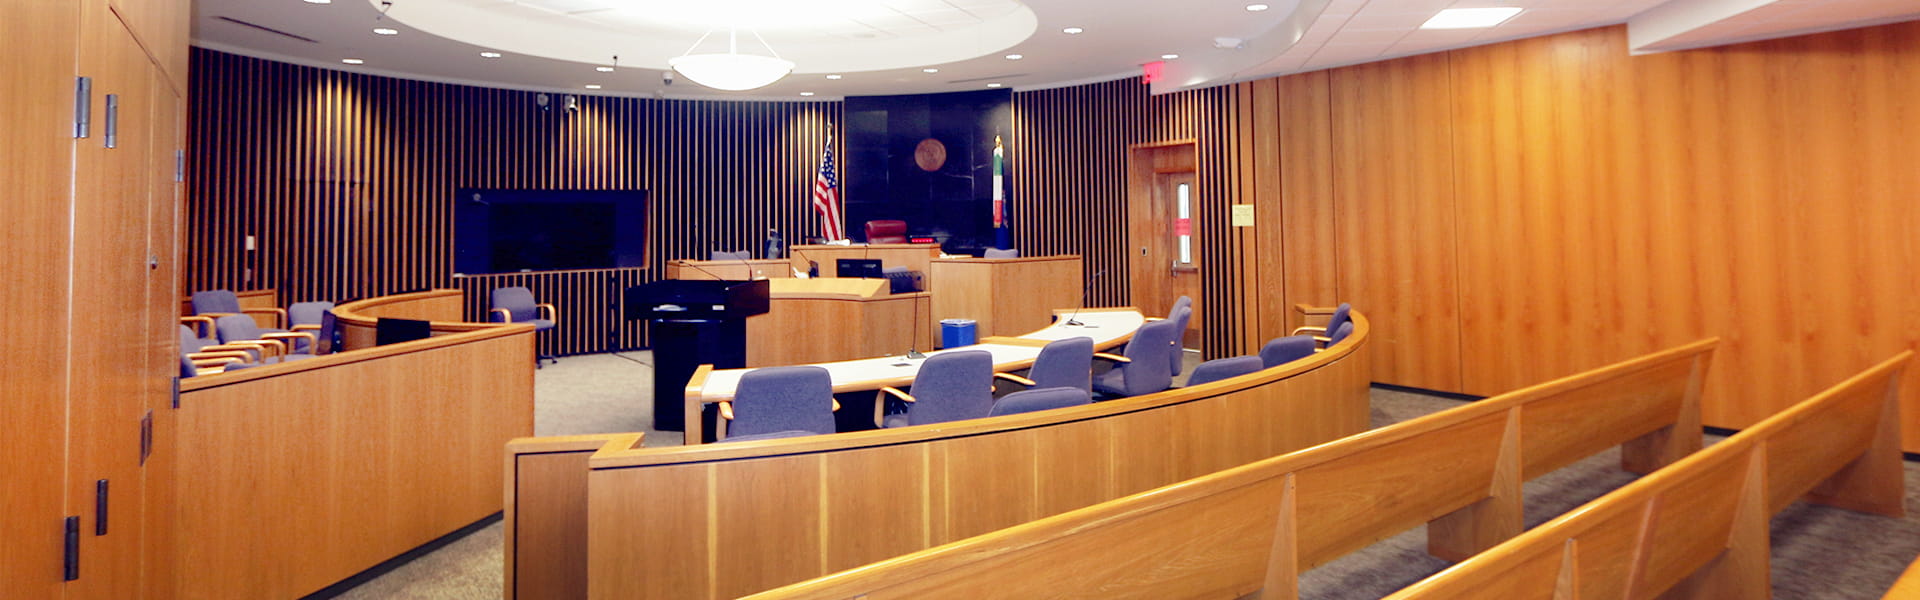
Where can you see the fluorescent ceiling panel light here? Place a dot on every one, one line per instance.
(490, 55)
(1072, 30)
(1256, 7)
(352, 61)
(1169, 56)
(386, 31)
(1470, 18)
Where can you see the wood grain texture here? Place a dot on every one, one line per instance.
(1394, 214)
(1006, 296)
(915, 257)
(827, 320)
(854, 498)
(1218, 535)
(359, 456)
(37, 168)
(1698, 528)
(545, 516)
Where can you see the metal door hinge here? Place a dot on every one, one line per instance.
(113, 121)
(82, 107)
(71, 569)
(176, 391)
(179, 166)
(100, 507)
(146, 437)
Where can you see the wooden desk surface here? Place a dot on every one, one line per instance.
(1108, 327)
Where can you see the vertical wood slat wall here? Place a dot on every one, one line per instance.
(347, 181)
(1068, 164)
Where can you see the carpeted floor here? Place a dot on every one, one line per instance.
(1819, 553)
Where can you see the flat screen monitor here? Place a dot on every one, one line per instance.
(510, 231)
(858, 267)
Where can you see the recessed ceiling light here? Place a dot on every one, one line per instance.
(319, 1)
(1256, 7)
(386, 31)
(1072, 30)
(806, 93)
(834, 77)
(1169, 56)
(929, 70)
(1015, 56)
(604, 69)
(993, 85)
(352, 61)
(593, 86)
(490, 55)
(1469, 18)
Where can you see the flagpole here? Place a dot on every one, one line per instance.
(1002, 235)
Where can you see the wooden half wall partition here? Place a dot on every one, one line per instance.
(1699, 528)
(357, 320)
(294, 476)
(725, 520)
(1255, 528)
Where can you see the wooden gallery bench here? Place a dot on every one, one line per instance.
(1698, 529)
(1256, 527)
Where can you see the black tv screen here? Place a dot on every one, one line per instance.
(509, 231)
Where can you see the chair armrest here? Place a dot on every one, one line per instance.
(201, 324)
(553, 314)
(1322, 340)
(726, 409)
(266, 347)
(1015, 378)
(279, 314)
(895, 392)
(1112, 357)
(313, 341)
(1306, 328)
(836, 406)
(210, 364)
(505, 315)
(233, 354)
(1152, 319)
(312, 328)
(252, 350)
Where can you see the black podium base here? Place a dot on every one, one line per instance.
(680, 347)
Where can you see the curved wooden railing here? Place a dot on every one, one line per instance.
(1255, 528)
(723, 520)
(441, 306)
(291, 477)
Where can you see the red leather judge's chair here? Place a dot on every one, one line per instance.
(886, 232)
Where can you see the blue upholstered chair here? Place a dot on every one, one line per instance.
(215, 303)
(317, 318)
(1039, 399)
(777, 399)
(1142, 367)
(1181, 313)
(1222, 368)
(950, 386)
(1061, 363)
(998, 253)
(735, 255)
(203, 355)
(240, 330)
(516, 305)
(1340, 317)
(1345, 329)
(1282, 350)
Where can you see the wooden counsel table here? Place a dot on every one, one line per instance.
(914, 257)
(1005, 296)
(1108, 327)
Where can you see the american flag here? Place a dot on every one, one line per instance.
(826, 196)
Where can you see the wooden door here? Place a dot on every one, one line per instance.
(36, 167)
(1163, 229)
(109, 376)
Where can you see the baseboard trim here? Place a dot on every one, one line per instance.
(374, 572)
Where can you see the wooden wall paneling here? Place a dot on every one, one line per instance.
(38, 168)
(167, 123)
(1393, 193)
(1306, 245)
(345, 179)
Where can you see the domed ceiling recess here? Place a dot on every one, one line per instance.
(880, 47)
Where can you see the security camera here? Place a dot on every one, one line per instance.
(666, 77)
(542, 101)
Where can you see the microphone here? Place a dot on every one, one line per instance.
(914, 333)
(689, 263)
(746, 263)
(1072, 319)
(813, 266)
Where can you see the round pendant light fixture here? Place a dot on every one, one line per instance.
(731, 70)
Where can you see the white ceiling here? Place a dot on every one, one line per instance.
(879, 47)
